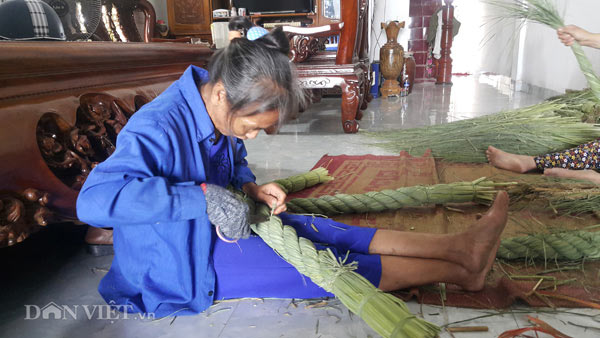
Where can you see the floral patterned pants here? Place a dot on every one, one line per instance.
(586, 156)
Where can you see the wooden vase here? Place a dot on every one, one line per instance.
(410, 68)
(391, 58)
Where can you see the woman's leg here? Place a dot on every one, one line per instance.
(585, 156)
(253, 269)
(469, 249)
(587, 175)
(403, 272)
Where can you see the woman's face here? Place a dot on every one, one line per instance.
(248, 127)
(244, 125)
(234, 35)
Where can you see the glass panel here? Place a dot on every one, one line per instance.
(331, 9)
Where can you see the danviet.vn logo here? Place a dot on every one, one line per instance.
(110, 311)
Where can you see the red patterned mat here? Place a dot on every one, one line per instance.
(359, 174)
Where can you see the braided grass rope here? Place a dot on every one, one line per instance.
(386, 314)
(302, 181)
(568, 245)
(480, 191)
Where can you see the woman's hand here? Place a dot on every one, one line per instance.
(571, 33)
(271, 194)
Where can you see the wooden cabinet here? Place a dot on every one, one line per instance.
(328, 12)
(192, 17)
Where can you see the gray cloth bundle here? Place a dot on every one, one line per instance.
(227, 211)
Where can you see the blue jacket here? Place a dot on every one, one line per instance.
(148, 191)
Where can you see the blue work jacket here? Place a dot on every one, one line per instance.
(148, 192)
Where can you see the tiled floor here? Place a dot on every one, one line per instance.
(52, 266)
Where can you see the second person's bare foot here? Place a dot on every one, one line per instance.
(503, 160)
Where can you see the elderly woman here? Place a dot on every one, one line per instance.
(163, 191)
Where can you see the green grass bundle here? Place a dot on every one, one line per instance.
(545, 13)
(556, 194)
(534, 130)
(575, 201)
(564, 200)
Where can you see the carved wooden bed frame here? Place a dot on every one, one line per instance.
(61, 106)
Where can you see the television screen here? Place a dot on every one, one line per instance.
(275, 6)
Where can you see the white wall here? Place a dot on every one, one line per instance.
(549, 64)
(483, 43)
(160, 7)
(383, 11)
(533, 55)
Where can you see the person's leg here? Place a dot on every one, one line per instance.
(404, 272)
(586, 175)
(469, 249)
(253, 269)
(342, 236)
(585, 156)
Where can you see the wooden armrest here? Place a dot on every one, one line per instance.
(149, 19)
(315, 32)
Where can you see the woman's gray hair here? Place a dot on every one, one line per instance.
(258, 76)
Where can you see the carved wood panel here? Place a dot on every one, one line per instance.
(303, 47)
(189, 17)
(71, 152)
(21, 214)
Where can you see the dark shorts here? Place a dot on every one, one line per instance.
(253, 269)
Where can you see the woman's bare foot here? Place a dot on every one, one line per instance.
(503, 160)
(476, 281)
(481, 240)
(588, 175)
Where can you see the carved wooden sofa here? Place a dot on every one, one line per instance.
(62, 105)
(348, 67)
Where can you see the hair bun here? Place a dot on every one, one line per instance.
(277, 39)
(239, 23)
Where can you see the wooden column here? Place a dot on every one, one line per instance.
(444, 71)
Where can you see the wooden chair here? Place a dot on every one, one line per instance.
(136, 18)
(347, 68)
